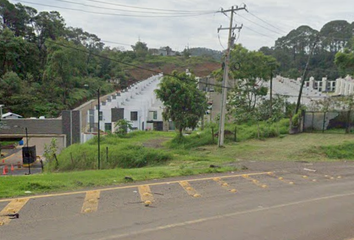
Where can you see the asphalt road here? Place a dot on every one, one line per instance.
(291, 202)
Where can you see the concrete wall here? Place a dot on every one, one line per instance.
(315, 120)
(71, 126)
(34, 126)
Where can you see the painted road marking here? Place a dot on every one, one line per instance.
(189, 189)
(309, 179)
(280, 178)
(254, 181)
(132, 186)
(145, 195)
(13, 207)
(91, 202)
(130, 235)
(332, 177)
(224, 185)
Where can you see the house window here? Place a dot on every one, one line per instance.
(154, 115)
(133, 116)
(100, 115)
(108, 127)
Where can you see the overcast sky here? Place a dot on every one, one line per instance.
(266, 21)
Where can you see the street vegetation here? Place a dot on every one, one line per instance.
(46, 67)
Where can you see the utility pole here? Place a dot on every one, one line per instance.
(304, 74)
(98, 131)
(271, 92)
(226, 70)
(28, 153)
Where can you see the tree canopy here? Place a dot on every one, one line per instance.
(292, 50)
(248, 71)
(184, 103)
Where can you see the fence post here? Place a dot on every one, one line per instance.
(324, 122)
(106, 154)
(347, 127)
(235, 134)
(71, 157)
(212, 133)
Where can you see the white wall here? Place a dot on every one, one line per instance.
(139, 97)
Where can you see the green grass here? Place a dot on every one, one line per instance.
(340, 151)
(14, 186)
(123, 152)
(5, 143)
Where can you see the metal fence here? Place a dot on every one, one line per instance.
(335, 121)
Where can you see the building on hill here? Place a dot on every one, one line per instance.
(166, 51)
(345, 86)
(10, 115)
(137, 104)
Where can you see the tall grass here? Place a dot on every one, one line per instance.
(123, 152)
(192, 141)
(343, 151)
(244, 132)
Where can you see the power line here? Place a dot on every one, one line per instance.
(257, 32)
(220, 42)
(118, 43)
(131, 65)
(147, 8)
(260, 25)
(250, 29)
(116, 14)
(125, 10)
(269, 24)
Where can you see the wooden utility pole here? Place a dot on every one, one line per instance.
(304, 74)
(226, 70)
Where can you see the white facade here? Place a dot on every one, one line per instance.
(138, 103)
(10, 115)
(345, 86)
(324, 85)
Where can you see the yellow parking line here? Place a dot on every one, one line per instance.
(189, 189)
(13, 207)
(224, 185)
(91, 202)
(332, 177)
(280, 178)
(145, 195)
(254, 181)
(132, 186)
(308, 178)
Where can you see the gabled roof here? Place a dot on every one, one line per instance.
(11, 114)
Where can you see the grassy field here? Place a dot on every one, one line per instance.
(187, 156)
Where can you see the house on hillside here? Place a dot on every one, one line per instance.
(11, 115)
(166, 51)
(138, 104)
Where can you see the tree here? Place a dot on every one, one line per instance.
(345, 61)
(184, 103)
(140, 49)
(249, 69)
(123, 126)
(64, 63)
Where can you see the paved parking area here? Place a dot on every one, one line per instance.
(154, 203)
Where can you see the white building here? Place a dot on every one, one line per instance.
(138, 104)
(324, 85)
(344, 86)
(10, 115)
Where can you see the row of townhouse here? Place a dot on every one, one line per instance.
(345, 86)
(138, 104)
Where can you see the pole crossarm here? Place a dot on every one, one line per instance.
(231, 39)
